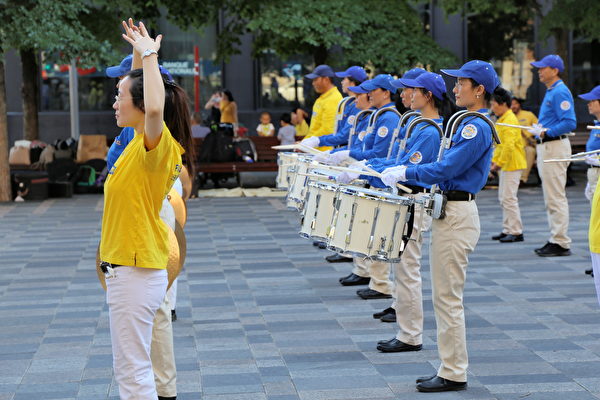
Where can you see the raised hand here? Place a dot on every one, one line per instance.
(139, 38)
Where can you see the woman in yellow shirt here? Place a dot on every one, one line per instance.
(134, 240)
(509, 160)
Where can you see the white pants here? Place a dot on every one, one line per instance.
(161, 352)
(133, 297)
(507, 194)
(172, 295)
(554, 178)
(596, 268)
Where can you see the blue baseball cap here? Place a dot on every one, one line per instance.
(381, 81)
(594, 94)
(428, 80)
(321, 70)
(354, 72)
(410, 74)
(480, 71)
(125, 67)
(552, 61)
(360, 88)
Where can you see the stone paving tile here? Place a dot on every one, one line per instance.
(261, 316)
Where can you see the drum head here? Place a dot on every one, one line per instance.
(178, 206)
(186, 181)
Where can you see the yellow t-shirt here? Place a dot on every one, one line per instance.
(322, 121)
(526, 118)
(510, 153)
(132, 232)
(594, 232)
(302, 128)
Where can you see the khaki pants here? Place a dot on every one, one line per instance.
(378, 271)
(530, 158)
(592, 175)
(161, 352)
(408, 295)
(452, 239)
(507, 194)
(554, 177)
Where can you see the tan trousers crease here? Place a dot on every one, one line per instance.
(360, 267)
(379, 271)
(161, 352)
(507, 194)
(408, 294)
(452, 239)
(530, 158)
(554, 177)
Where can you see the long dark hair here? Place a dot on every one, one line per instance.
(176, 112)
(445, 106)
(227, 93)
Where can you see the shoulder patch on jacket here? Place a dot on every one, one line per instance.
(351, 119)
(469, 131)
(565, 105)
(382, 132)
(416, 158)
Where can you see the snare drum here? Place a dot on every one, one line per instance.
(318, 210)
(285, 160)
(298, 181)
(370, 223)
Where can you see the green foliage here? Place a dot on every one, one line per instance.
(581, 16)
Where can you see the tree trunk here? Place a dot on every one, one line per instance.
(320, 55)
(5, 192)
(30, 93)
(561, 38)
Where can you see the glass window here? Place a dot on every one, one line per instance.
(585, 75)
(281, 81)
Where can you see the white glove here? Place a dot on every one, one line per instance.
(589, 192)
(592, 160)
(347, 176)
(338, 157)
(536, 130)
(311, 142)
(322, 157)
(390, 176)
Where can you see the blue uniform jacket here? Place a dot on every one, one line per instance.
(401, 134)
(558, 111)
(359, 134)
(593, 142)
(466, 164)
(118, 146)
(421, 148)
(340, 138)
(377, 140)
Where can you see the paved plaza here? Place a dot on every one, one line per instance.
(263, 317)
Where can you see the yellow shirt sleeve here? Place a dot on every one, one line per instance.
(509, 154)
(594, 232)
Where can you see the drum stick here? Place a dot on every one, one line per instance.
(593, 127)
(285, 147)
(369, 172)
(517, 126)
(308, 149)
(563, 160)
(329, 178)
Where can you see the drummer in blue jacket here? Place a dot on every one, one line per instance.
(593, 143)
(461, 174)
(377, 139)
(353, 76)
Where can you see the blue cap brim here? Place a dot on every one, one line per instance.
(115, 72)
(368, 86)
(397, 84)
(588, 96)
(357, 89)
(311, 76)
(538, 64)
(342, 74)
(456, 73)
(410, 83)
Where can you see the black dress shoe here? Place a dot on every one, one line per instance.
(354, 280)
(396, 346)
(345, 277)
(544, 247)
(589, 271)
(438, 384)
(316, 243)
(173, 316)
(322, 245)
(167, 398)
(380, 314)
(367, 294)
(425, 378)
(337, 258)
(385, 341)
(500, 236)
(512, 238)
(553, 250)
(389, 317)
